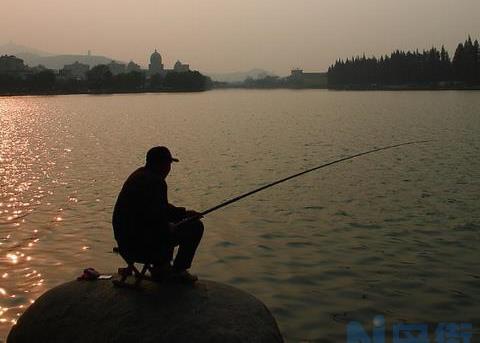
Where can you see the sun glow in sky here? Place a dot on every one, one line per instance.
(236, 35)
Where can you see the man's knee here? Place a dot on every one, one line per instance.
(197, 228)
(191, 230)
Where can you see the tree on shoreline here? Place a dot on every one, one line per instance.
(410, 68)
(100, 79)
(466, 61)
(41, 81)
(133, 80)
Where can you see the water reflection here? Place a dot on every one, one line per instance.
(25, 167)
(394, 233)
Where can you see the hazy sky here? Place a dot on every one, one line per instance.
(237, 35)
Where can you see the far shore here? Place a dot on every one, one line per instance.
(105, 92)
(345, 88)
(407, 88)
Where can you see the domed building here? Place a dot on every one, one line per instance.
(132, 66)
(179, 67)
(156, 65)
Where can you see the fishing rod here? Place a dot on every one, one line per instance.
(233, 200)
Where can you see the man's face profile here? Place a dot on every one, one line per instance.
(164, 167)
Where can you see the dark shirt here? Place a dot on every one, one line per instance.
(142, 212)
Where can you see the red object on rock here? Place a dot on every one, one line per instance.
(89, 274)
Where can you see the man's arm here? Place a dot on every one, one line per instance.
(175, 213)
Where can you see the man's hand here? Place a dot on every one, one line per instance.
(193, 214)
(189, 215)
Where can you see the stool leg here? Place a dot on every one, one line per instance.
(127, 272)
(124, 275)
(141, 275)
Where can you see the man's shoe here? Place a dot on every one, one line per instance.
(183, 276)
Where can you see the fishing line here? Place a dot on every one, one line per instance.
(242, 196)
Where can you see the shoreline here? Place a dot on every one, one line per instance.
(407, 88)
(107, 92)
(370, 88)
(339, 89)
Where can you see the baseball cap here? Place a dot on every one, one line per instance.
(160, 154)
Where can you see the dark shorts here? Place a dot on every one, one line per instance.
(160, 248)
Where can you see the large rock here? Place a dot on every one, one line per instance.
(96, 311)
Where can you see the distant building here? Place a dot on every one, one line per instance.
(116, 68)
(156, 65)
(11, 64)
(179, 67)
(308, 80)
(132, 66)
(296, 73)
(75, 70)
(38, 69)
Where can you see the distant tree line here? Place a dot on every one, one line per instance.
(265, 82)
(429, 67)
(36, 82)
(187, 81)
(100, 79)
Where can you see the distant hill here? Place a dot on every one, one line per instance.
(58, 61)
(34, 57)
(240, 76)
(12, 48)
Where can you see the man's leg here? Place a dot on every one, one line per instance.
(188, 237)
(161, 258)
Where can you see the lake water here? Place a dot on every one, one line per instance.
(395, 233)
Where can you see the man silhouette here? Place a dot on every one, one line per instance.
(144, 222)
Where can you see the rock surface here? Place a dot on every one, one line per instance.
(96, 311)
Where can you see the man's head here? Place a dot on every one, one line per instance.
(159, 159)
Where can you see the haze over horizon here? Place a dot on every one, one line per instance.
(226, 36)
